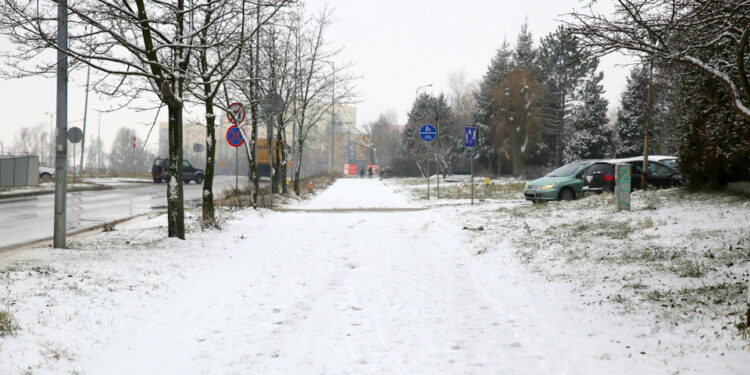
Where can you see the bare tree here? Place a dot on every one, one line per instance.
(278, 87)
(139, 47)
(313, 83)
(222, 40)
(32, 141)
(685, 31)
(128, 154)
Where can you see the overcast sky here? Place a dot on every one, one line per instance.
(395, 46)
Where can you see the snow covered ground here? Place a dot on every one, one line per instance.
(366, 291)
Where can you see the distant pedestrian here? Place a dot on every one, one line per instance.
(369, 172)
(362, 172)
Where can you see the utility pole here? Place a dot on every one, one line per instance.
(85, 112)
(61, 149)
(99, 145)
(648, 124)
(437, 146)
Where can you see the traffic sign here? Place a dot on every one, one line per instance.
(236, 113)
(272, 105)
(75, 134)
(470, 136)
(428, 133)
(234, 136)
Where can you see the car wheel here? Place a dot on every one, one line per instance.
(567, 195)
(199, 179)
(45, 175)
(187, 182)
(157, 181)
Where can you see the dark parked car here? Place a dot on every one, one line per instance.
(387, 172)
(600, 176)
(160, 171)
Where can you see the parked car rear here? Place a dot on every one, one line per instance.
(600, 176)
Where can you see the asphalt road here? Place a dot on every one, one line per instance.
(27, 219)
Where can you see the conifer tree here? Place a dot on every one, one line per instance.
(486, 107)
(524, 55)
(589, 137)
(563, 67)
(631, 115)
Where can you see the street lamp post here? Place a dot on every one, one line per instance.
(52, 140)
(333, 112)
(99, 143)
(416, 95)
(421, 87)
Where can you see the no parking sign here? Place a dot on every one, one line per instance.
(234, 136)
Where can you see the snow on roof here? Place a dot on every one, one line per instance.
(637, 158)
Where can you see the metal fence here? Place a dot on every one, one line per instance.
(19, 170)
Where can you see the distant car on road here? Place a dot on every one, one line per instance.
(600, 176)
(563, 183)
(46, 172)
(387, 172)
(160, 171)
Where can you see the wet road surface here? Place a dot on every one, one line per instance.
(26, 219)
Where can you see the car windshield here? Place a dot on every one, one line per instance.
(160, 162)
(566, 170)
(670, 163)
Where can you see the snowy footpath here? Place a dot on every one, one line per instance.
(363, 291)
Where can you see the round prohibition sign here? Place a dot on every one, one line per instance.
(234, 136)
(237, 113)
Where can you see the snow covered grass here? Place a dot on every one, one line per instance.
(459, 188)
(679, 259)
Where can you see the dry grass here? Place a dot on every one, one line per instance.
(8, 324)
(242, 198)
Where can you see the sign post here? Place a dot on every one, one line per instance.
(235, 139)
(428, 133)
(74, 135)
(470, 141)
(622, 187)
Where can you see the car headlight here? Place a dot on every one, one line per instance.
(546, 187)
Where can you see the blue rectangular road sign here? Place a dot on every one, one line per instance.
(470, 136)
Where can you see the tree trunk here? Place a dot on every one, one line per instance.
(517, 157)
(175, 201)
(280, 170)
(254, 152)
(298, 167)
(209, 218)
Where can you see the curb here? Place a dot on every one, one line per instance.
(73, 190)
(47, 240)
